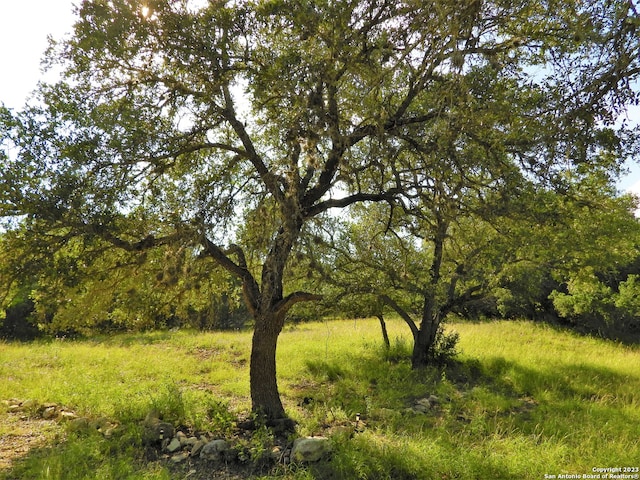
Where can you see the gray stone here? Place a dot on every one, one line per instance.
(181, 436)
(80, 425)
(189, 441)
(157, 431)
(180, 457)
(49, 413)
(197, 447)
(310, 449)
(276, 453)
(100, 423)
(174, 445)
(30, 404)
(108, 432)
(215, 450)
(67, 415)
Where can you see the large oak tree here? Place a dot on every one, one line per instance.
(233, 125)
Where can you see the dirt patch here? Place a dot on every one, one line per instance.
(205, 353)
(19, 434)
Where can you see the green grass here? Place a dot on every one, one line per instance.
(522, 400)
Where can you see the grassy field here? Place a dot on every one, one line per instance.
(521, 401)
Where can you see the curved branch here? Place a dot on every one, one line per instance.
(400, 311)
(250, 287)
(350, 200)
(146, 243)
(283, 306)
(268, 178)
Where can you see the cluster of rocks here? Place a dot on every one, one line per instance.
(29, 409)
(179, 446)
(32, 408)
(423, 405)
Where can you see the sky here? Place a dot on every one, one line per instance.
(25, 25)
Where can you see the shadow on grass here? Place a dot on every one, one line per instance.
(480, 405)
(566, 407)
(79, 457)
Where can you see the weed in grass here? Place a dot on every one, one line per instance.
(170, 405)
(220, 420)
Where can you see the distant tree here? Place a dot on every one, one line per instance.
(116, 290)
(436, 252)
(230, 127)
(593, 254)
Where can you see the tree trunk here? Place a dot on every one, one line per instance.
(385, 334)
(265, 398)
(421, 348)
(423, 343)
(424, 338)
(269, 316)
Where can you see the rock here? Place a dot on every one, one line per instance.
(230, 455)
(180, 457)
(189, 442)
(424, 405)
(197, 447)
(108, 432)
(174, 445)
(276, 453)
(281, 454)
(310, 449)
(100, 423)
(80, 425)
(49, 413)
(156, 432)
(66, 415)
(215, 450)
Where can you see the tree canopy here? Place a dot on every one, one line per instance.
(234, 127)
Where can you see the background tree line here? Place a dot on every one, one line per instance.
(565, 259)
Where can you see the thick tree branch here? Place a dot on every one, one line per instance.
(268, 178)
(403, 314)
(338, 147)
(250, 287)
(350, 200)
(283, 306)
(468, 295)
(146, 243)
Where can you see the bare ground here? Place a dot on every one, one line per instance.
(19, 434)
